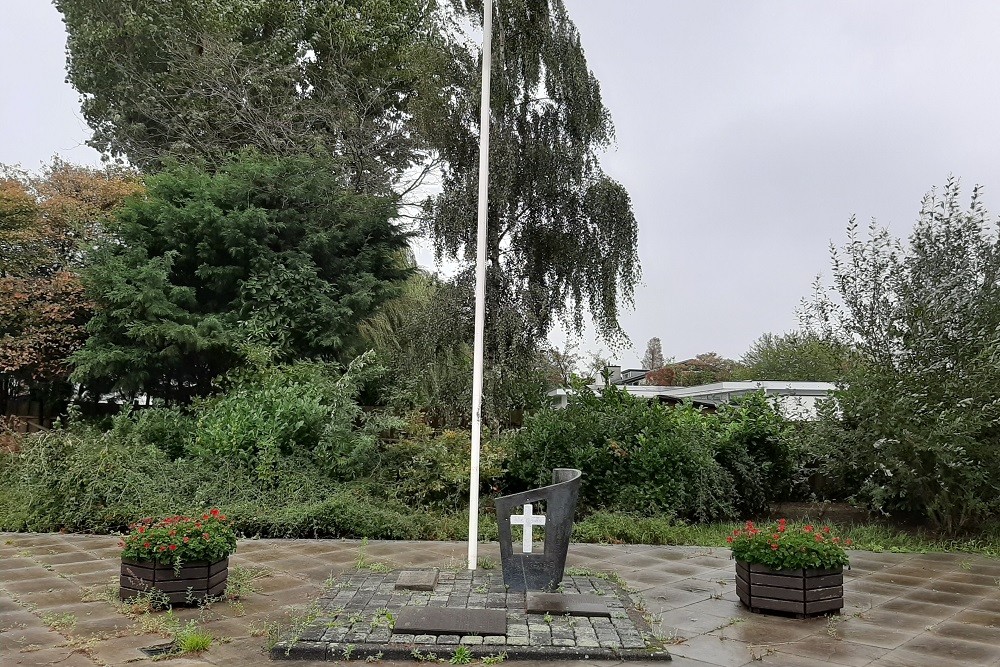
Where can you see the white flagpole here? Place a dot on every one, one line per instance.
(477, 354)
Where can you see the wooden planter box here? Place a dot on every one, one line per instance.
(800, 592)
(189, 585)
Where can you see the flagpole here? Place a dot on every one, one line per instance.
(477, 352)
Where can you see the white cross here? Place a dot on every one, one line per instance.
(529, 521)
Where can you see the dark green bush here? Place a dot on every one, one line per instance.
(645, 457)
(167, 429)
(755, 448)
(431, 470)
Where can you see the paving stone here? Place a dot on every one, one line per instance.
(425, 639)
(562, 642)
(447, 639)
(471, 639)
(443, 621)
(559, 604)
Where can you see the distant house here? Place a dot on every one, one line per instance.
(795, 400)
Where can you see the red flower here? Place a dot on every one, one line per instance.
(729, 539)
(173, 547)
(215, 511)
(206, 535)
(162, 548)
(776, 536)
(848, 542)
(186, 539)
(819, 538)
(142, 529)
(145, 545)
(774, 547)
(808, 528)
(836, 540)
(826, 529)
(172, 533)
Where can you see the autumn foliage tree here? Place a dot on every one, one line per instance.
(703, 369)
(46, 223)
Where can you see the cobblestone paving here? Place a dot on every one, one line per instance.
(354, 617)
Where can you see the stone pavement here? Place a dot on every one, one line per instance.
(902, 610)
(363, 613)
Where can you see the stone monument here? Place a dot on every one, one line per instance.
(528, 571)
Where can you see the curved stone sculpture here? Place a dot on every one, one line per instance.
(544, 571)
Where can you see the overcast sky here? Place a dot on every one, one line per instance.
(748, 134)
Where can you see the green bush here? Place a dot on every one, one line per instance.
(431, 470)
(755, 448)
(168, 429)
(84, 480)
(304, 409)
(645, 457)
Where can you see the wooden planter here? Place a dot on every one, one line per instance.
(188, 585)
(800, 592)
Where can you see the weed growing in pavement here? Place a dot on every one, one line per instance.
(59, 622)
(242, 581)
(494, 659)
(417, 655)
(192, 639)
(461, 656)
(611, 576)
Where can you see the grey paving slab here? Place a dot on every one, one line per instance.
(915, 609)
(417, 580)
(444, 621)
(559, 604)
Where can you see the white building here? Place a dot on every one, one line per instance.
(794, 400)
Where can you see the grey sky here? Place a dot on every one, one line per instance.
(748, 133)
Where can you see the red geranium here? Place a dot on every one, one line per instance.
(173, 539)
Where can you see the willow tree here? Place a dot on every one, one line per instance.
(562, 234)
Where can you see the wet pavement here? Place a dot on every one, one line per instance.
(900, 609)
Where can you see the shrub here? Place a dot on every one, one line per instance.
(635, 455)
(755, 448)
(168, 429)
(431, 470)
(306, 409)
(84, 480)
(645, 457)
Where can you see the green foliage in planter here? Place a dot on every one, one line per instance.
(789, 547)
(180, 539)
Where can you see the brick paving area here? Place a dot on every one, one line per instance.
(902, 610)
(356, 612)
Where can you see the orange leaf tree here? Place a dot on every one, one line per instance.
(47, 223)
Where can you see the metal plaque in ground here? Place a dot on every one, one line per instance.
(355, 618)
